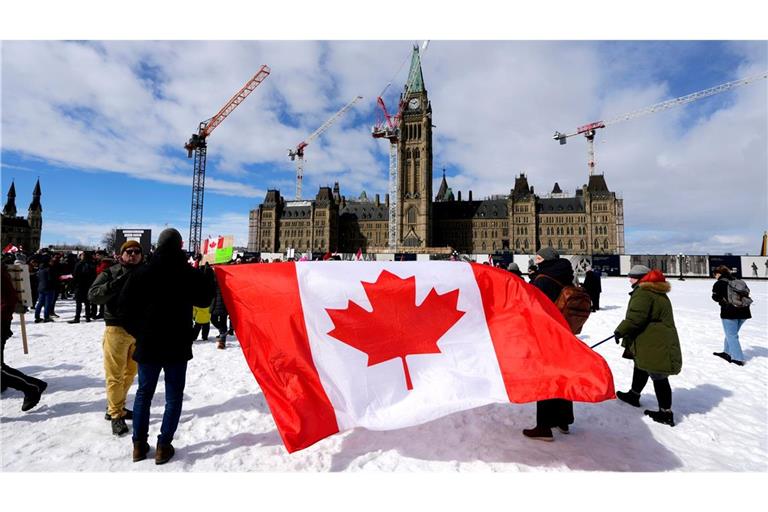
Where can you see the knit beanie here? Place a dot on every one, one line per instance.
(638, 271)
(128, 244)
(548, 253)
(513, 267)
(169, 238)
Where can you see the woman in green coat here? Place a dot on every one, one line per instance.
(648, 333)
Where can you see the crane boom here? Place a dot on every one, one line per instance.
(299, 151)
(197, 144)
(588, 130)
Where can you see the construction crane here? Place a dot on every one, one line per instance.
(589, 129)
(389, 128)
(197, 144)
(299, 151)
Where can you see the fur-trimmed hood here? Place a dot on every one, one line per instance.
(656, 286)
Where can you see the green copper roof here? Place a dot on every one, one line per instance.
(415, 79)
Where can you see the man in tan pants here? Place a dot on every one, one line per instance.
(118, 345)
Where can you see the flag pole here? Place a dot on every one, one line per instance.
(600, 343)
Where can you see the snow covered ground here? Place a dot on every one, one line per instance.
(720, 409)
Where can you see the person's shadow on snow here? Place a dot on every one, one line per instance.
(752, 352)
(608, 436)
(699, 400)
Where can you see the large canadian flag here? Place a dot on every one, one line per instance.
(385, 345)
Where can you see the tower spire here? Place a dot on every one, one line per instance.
(415, 78)
(35, 204)
(10, 205)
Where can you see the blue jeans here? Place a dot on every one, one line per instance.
(45, 299)
(732, 345)
(175, 379)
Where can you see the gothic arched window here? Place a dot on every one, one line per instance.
(412, 215)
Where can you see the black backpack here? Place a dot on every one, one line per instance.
(738, 294)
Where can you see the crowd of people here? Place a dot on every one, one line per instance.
(155, 305)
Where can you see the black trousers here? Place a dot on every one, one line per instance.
(220, 323)
(13, 378)
(660, 386)
(198, 327)
(554, 412)
(90, 309)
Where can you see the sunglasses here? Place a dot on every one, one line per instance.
(131, 252)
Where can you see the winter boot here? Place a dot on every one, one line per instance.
(163, 453)
(723, 355)
(564, 429)
(630, 397)
(221, 344)
(119, 428)
(661, 416)
(737, 362)
(140, 450)
(539, 433)
(127, 416)
(74, 321)
(32, 397)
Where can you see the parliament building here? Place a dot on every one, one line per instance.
(22, 232)
(589, 222)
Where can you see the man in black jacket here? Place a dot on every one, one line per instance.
(732, 317)
(156, 304)
(117, 345)
(553, 273)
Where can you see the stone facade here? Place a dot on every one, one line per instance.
(589, 222)
(22, 232)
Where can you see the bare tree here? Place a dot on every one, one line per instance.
(109, 240)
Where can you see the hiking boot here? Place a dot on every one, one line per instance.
(564, 429)
(140, 450)
(723, 355)
(127, 416)
(220, 344)
(32, 398)
(163, 453)
(119, 428)
(737, 362)
(539, 433)
(664, 417)
(629, 397)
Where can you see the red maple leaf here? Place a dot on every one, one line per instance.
(396, 327)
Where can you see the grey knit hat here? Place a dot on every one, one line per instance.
(169, 238)
(638, 271)
(548, 253)
(513, 267)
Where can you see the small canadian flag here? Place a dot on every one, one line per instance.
(386, 345)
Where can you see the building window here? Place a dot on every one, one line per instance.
(412, 215)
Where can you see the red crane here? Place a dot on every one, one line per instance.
(197, 144)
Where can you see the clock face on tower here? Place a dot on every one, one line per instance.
(414, 104)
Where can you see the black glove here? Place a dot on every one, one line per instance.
(617, 336)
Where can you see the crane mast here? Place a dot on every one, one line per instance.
(588, 130)
(197, 144)
(299, 151)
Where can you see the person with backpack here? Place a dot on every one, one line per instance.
(733, 296)
(553, 274)
(648, 334)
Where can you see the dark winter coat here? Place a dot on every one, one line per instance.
(592, 284)
(46, 280)
(560, 270)
(218, 308)
(106, 290)
(156, 306)
(720, 295)
(648, 330)
(84, 275)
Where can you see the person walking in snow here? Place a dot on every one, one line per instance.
(551, 275)
(593, 288)
(157, 306)
(733, 317)
(11, 377)
(83, 276)
(46, 292)
(117, 344)
(219, 317)
(649, 334)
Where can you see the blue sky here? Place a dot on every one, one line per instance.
(105, 137)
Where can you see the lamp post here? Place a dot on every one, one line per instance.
(680, 263)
